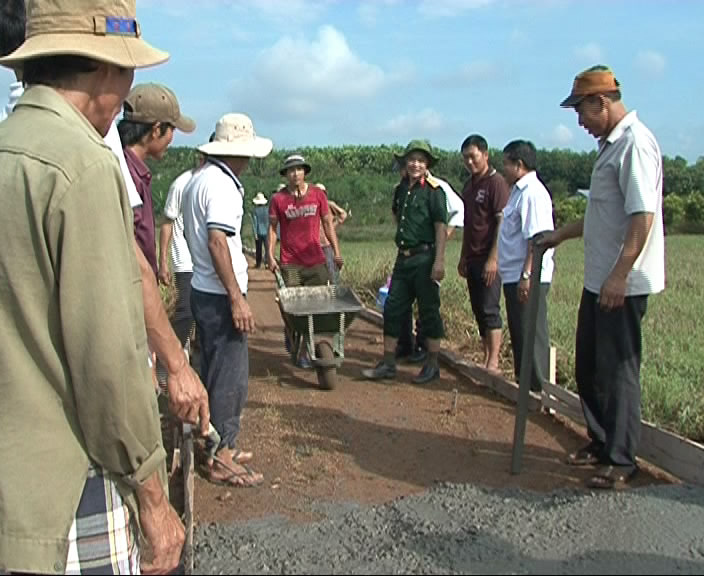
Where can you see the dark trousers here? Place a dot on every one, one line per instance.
(259, 245)
(485, 300)
(516, 314)
(410, 280)
(224, 362)
(408, 342)
(608, 357)
(182, 318)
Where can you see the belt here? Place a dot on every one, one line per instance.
(406, 252)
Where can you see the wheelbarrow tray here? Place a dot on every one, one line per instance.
(323, 303)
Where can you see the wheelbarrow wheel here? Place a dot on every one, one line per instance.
(327, 375)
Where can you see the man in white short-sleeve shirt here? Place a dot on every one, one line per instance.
(528, 211)
(624, 262)
(213, 207)
(172, 241)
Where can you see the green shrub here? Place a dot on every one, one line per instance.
(568, 210)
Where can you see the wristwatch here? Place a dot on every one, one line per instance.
(525, 275)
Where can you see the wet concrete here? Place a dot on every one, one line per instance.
(460, 529)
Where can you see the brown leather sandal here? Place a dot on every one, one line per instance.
(587, 456)
(612, 477)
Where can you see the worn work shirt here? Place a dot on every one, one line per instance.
(74, 384)
(417, 210)
(144, 224)
(484, 199)
(626, 180)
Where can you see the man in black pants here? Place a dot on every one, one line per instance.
(624, 262)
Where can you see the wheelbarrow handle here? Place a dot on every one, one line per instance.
(279, 278)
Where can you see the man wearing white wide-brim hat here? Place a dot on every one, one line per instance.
(75, 382)
(213, 209)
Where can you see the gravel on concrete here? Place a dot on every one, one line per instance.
(460, 529)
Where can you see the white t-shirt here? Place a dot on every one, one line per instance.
(214, 199)
(455, 205)
(180, 255)
(527, 212)
(112, 139)
(626, 180)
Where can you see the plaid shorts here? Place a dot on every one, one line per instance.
(103, 535)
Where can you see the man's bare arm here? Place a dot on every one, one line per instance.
(188, 399)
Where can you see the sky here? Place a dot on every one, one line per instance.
(329, 72)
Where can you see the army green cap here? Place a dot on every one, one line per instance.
(419, 146)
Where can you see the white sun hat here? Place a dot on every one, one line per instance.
(235, 136)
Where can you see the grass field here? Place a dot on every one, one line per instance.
(673, 358)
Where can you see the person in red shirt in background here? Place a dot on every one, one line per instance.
(300, 209)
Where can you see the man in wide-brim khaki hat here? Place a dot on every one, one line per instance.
(76, 383)
(103, 30)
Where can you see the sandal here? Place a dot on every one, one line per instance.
(241, 456)
(587, 456)
(245, 478)
(612, 477)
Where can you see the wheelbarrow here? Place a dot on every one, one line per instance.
(313, 316)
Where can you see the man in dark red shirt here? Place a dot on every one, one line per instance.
(151, 114)
(485, 196)
(299, 209)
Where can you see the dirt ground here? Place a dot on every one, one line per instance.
(368, 442)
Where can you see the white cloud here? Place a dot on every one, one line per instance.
(287, 11)
(650, 62)
(561, 135)
(446, 8)
(590, 53)
(422, 124)
(297, 79)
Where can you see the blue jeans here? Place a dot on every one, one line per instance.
(224, 363)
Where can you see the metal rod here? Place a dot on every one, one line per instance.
(529, 330)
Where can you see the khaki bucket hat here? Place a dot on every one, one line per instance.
(235, 136)
(104, 30)
(151, 103)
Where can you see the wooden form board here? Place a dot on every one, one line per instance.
(675, 454)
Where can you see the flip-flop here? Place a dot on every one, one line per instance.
(612, 477)
(245, 479)
(241, 456)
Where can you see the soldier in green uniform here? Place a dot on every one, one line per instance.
(421, 214)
